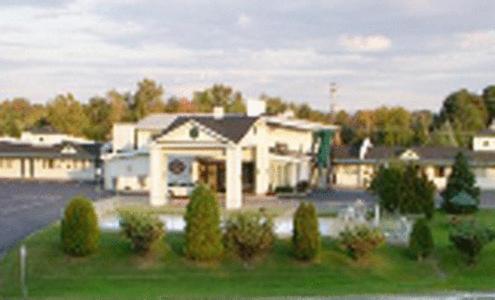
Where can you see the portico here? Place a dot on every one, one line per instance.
(198, 142)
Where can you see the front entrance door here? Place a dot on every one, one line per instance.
(212, 173)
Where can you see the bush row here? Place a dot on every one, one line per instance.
(250, 235)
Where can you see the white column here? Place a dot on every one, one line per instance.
(376, 220)
(293, 174)
(233, 161)
(262, 179)
(158, 177)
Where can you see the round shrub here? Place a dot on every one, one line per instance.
(421, 240)
(249, 235)
(79, 231)
(203, 234)
(306, 241)
(469, 237)
(141, 229)
(360, 241)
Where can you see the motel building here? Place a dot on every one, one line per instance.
(167, 155)
(45, 154)
(354, 166)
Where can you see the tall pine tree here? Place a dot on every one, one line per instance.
(462, 179)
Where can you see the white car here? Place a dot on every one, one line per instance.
(180, 190)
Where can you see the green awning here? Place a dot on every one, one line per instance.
(325, 137)
(463, 199)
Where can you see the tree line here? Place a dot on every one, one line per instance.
(462, 114)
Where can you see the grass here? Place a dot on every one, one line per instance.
(114, 272)
(181, 210)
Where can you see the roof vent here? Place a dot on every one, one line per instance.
(218, 112)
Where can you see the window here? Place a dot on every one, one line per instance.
(486, 143)
(440, 172)
(50, 164)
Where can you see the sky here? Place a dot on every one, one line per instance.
(411, 53)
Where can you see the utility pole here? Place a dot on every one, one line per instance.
(333, 102)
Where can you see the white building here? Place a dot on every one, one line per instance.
(44, 154)
(168, 154)
(354, 166)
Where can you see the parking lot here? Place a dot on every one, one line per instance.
(28, 206)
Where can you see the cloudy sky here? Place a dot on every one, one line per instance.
(391, 52)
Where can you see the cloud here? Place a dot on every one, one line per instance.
(362, 43)
(243, 20)
(481, 40)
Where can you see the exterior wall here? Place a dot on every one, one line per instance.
(49, 138)
(127, 173)
(484, 143)
(64, 169)
(438, 175)
(485, 177)
(144, 137)
(123, 136)
(132, 173)
(10, 168)
(296, 140)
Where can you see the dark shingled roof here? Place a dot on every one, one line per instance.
(424, 153)
(232, 127)
(85, 151)
(486, 132)
(44, 130)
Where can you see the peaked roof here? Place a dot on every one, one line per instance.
(348, 152)
(232, 127)
(44, 130)
(88, 151)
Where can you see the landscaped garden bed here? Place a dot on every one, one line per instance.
(114, 271)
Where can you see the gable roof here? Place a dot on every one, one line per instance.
(43, 130)
(425, 153)
(232, 127)
(83, 151)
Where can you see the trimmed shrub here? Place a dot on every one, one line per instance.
(79, 229)
(284, 189)
(421, 240)
(203, 234)
(302, 186)
(469, 237)
(360, 241)
(249, 235)
(306, 241)
(141, 229)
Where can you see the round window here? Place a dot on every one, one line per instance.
(194, 132)
(176, 166)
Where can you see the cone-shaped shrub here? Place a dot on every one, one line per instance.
(79, 232)
(306, 241)
(203, 234)
(421, 240)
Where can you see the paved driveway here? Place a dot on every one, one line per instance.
(28, 206)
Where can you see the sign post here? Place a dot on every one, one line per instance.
(23, 265)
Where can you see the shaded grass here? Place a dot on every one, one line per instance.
(114, 272)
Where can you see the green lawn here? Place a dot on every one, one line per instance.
(116, 273)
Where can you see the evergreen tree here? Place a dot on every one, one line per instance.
(203, 234)
(404, 190)
(461, 179)
(421, 240)
(306, 241)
